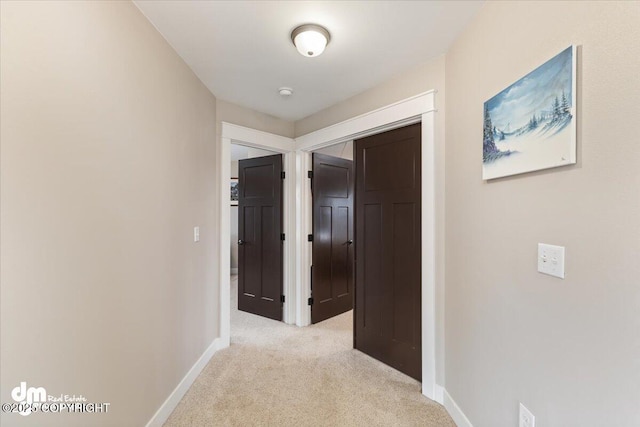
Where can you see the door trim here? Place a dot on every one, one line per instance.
(420, 108)
(234, 134)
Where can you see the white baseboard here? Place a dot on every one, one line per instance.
(234, 271)
(162, 414)
(454, 410)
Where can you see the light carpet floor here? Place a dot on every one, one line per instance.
(275, 374)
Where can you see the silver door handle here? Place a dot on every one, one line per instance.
(241, 242)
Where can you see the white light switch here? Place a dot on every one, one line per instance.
(196, 234)
(551, 260)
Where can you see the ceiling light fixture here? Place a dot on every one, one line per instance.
(310, 39)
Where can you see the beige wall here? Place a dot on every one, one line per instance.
(425, 76)
(107, 163)
(568, 349)
(232, 113)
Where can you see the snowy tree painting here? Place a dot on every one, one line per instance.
(531, 124)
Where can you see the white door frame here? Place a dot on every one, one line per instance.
(297, 214)
(420, 108)
(234, 134)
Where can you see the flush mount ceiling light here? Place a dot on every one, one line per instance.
(310, 39)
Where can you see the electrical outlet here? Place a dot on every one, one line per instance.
(196, 234)
(551, 260)
(526, 418)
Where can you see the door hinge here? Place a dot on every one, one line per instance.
(310, 301)
(282, 175)
(310, 174)
(282, 236)
(282, 299)
(309, 237)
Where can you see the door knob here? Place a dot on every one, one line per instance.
(349, 242)
(240, 242)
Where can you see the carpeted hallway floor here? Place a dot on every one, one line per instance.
(280, 375)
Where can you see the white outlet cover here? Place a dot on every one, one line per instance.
(196, 234)
(526, 418)
(551, 260)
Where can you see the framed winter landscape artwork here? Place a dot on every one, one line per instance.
(531, 125)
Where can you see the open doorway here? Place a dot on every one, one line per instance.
(251, 139)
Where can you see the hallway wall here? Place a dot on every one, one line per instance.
(107, 154)
(242, 116)
(568, 349)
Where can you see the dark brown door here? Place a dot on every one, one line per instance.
(332, 273)
(259, 231)
(387, 310)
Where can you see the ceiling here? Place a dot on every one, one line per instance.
(242, 51)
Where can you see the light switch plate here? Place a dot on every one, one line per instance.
(196, 234)
(526, 418)
(551, 260)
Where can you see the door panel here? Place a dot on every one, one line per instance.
(388, 248)
(332, 273)
(259, 227)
